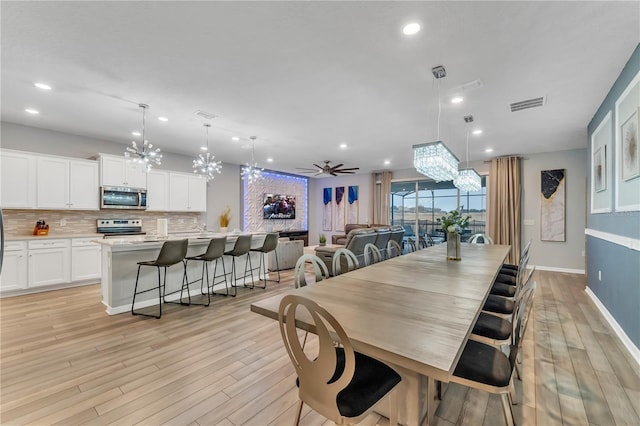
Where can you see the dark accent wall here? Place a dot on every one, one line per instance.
(619, 288)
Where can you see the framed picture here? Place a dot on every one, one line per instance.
(353, 206)
(338, 223)
(327, 211)
(626, 175)
(630, 153)
(552, 205)
(599, 169)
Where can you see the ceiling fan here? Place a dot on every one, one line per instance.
(328, 169)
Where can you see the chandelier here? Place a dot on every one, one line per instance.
(145, 154)
(206, 164)
(250, 171)
(434, 159)
(468, 179)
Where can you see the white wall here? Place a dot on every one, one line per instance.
(547, 254)
(224, 190)
(316, 205)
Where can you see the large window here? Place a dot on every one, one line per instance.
(416, 205)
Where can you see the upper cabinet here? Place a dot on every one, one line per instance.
(187, 192)
(157, 190)
(117, 171)
(18, 180)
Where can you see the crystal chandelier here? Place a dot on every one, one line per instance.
(468, 179)
(434, 159)
(206, 164)
(145, 154)
(250, 171)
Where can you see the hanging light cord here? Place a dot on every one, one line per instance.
(467, 146)
(439, 109)
(144, 110)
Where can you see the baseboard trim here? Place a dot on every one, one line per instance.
(554, 269)
(627, 242)
(34, 290)
(631, 347)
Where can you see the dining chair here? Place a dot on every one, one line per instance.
(241, 248)
(339, 383)
(412, 245)
(371, 254)
(269, 245)
(320, 269)
(393, 249)
(508, 268)
(350, 260)
(504, 306)
(485, 367)
(171, 253)
(480, 239)
(507, 285)
(215, 251)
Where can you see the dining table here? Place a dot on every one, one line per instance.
(414, 312)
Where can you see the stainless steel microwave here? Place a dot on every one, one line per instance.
(116, 197)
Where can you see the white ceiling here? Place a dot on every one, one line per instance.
(306, 76)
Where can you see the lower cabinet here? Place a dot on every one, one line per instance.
(14, 266)
(49, 262)
(85, 259)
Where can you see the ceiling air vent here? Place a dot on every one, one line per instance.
(529, 103)
(205, 115)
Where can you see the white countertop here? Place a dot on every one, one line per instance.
(145, 240)
(51, 236)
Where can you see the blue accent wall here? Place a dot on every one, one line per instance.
(619, 289)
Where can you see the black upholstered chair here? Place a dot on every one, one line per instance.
(242, 247)
(504, 306)
(171, 253)
(485, 367)
(341, 384)
(214, 253)
(269, 245)
(344, 258)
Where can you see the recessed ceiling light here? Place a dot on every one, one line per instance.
(488, 150)
(136, 133)
(32, 111)
(387, 162)
(411, 29)
(270, 160)
(204, 148)
(456, 100)
(163, 119)
(235, 138)
(477, 132)
(343, 146)
(42, 86)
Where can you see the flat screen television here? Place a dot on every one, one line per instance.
(278, 206)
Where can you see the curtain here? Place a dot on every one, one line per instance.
(504, 194)
(381, 197)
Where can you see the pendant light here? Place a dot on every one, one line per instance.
(468, 179)
(251, 172)
(433, 159)
(145, 154)
(206, 164)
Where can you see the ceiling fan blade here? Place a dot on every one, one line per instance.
(319, 173)
(351, 168)
(317, 166)
(342, 171)
(337, 167)
(332, 174)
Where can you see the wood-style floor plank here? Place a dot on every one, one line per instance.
(64, 361)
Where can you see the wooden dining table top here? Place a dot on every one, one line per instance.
(414, 311)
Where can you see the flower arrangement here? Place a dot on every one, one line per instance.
(225, 217)
(454, 222)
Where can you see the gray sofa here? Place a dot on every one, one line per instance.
(355, 241)
(342, 239)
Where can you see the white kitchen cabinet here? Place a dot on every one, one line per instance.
(187, 193)
(118, 171)
(67, 184)
(18, 180)
(157, 190)
(49, 262)
(85, 259)
(14, 266)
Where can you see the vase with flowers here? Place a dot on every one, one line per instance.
(225, 218)
(453, 224)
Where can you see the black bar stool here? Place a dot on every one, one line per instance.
(215, 250)
(171, 253)
(240, 248)
(269, 245)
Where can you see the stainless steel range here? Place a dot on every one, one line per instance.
(120, 227)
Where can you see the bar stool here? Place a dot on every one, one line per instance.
(269, 245)
(215, 250)
(242, 247)
(171, 253)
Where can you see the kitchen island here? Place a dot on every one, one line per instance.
(120, 259)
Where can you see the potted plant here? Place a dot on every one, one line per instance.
(323, 240)
(453, 224)
(225, 218)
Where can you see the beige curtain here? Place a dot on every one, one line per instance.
(504, 204)
(381, 197)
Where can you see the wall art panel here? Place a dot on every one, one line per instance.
(353, 206)
(552, 205)
(327, 209)
(338, 223)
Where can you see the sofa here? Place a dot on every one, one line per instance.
(356, 240)
(342, 239)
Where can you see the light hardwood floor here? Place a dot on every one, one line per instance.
(65, 361)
